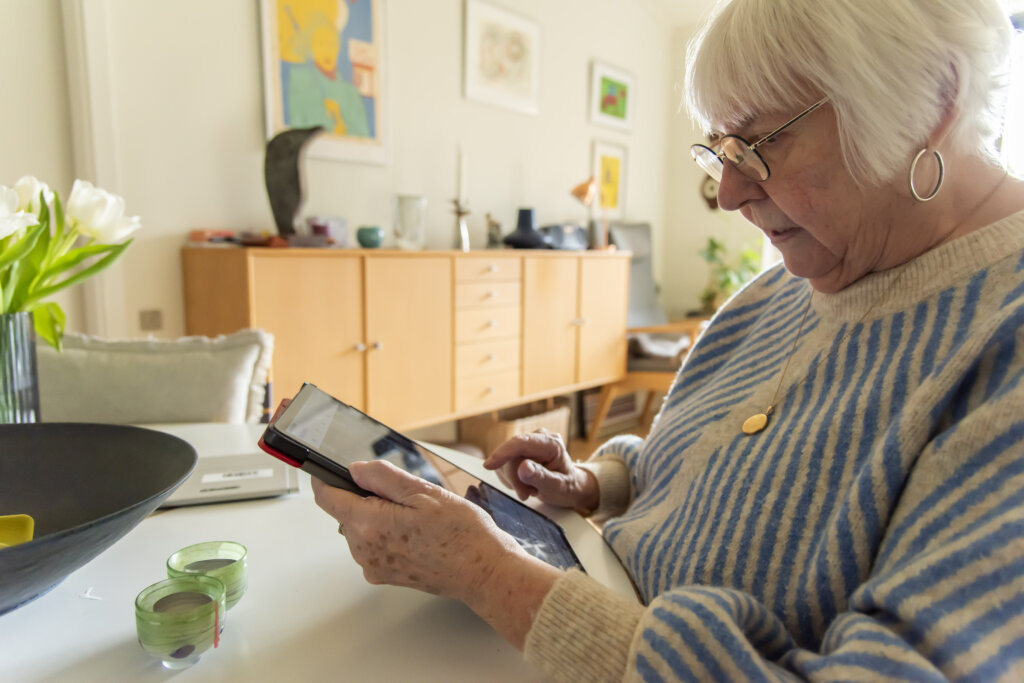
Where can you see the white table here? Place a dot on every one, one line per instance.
(308, 613)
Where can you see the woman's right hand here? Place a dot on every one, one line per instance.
(538, 464)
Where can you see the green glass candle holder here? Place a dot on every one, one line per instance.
(224, 560)
(179, 619)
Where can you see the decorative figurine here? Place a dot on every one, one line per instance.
(462, 229)
(493, 232)
(284, 178)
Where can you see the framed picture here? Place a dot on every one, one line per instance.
(611, 96)
(502, 60)
(325, 64)
(610, 171)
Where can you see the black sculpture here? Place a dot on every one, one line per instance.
(526, 236)
(284, 181)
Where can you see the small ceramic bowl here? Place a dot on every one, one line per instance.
(370, 236)
(223, 560)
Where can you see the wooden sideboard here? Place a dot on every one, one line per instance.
(418, 338)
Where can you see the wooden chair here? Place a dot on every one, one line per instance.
(646, 322)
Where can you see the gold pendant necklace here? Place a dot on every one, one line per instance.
(757, 422)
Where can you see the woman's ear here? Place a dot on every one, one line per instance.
(951, 110)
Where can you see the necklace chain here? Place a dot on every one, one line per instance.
(757, 422)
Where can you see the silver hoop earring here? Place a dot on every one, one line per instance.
(938, 183)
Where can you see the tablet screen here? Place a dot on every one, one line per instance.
(345, 435)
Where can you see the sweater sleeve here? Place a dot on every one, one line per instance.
(943, 599)
(610, 465)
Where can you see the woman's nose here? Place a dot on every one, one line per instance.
(736, 189)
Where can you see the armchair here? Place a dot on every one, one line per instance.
(656, 346)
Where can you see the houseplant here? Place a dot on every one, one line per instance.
(726, 275)
(45, 248)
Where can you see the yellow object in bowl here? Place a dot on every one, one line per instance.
(15, 529)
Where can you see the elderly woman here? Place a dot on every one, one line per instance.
(833, 486)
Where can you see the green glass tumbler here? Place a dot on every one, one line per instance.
(224, 560)
(179, 619)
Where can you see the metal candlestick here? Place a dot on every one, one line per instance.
(462, 228)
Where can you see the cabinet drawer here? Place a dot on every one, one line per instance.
(480, 358)
(481, 392)
(481, 324)
(472, 294)
(484, 268)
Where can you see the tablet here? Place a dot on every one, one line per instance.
(322, 435)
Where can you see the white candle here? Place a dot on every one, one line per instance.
(460, 173)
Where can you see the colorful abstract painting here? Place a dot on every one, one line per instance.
(611, 96)
(502, 60)
(324, 65)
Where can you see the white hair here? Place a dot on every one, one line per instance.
(891, 69)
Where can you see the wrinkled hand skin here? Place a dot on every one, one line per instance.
(538, 464)
(415, 535)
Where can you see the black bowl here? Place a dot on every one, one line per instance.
(86, 486)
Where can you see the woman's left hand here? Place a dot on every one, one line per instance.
(415, 534)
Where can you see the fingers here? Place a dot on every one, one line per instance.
(385, 480)
(336, 502)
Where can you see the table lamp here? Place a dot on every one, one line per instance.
(586, 193)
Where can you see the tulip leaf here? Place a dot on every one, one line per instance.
(49, 320)
(72, 259)
(114, 250)
(23, 246)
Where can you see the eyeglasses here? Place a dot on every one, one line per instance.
(744, 155)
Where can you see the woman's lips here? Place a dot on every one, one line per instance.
(777, 236)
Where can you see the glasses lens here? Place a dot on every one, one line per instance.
(747, 160)
(707, 160)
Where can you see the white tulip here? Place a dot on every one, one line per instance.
(99, 214)
(11, 219)
(28, 188)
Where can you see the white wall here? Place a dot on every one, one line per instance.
(189, 134)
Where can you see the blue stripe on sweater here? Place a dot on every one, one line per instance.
(947, 490)
(692, 642)
(878, 665)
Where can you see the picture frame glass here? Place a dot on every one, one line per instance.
(610, 171)
(611, 96)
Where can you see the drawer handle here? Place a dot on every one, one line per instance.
(488, 358)
(491, 294)
(493, 268)
(376, 346)
(488, 390)
(491, 323)
(360, 347)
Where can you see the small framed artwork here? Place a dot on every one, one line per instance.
(610, 171)
(611, 96)
(502, 60)
(325, 64)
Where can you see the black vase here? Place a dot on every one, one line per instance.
(526, 235)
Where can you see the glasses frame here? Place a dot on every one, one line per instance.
(696, 148)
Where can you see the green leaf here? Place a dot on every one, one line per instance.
(23, 246)
(85, 273)
(49, 322)
(72, 259)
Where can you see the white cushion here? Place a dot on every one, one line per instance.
(191, 379)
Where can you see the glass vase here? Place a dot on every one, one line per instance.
(19, 377)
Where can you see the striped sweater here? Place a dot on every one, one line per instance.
(874, 529)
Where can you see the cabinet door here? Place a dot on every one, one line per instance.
(604, 300)
(313, 305)
(549, 323)
(409, 334)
